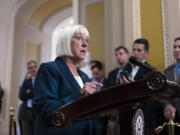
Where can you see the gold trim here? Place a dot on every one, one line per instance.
(136, 19)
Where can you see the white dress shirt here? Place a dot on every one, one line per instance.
(135, 70)
(79, 81)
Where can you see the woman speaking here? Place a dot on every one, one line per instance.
(61, 81)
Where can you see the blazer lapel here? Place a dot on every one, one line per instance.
(141, 73)
(137, 74)
(83, 76)
(64, 69)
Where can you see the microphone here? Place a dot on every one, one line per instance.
(137, 62)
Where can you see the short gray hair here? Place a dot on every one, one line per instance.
(63, 46)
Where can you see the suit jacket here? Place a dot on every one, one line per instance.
(27, 84)
(170, 74)
(56, 86)
(141, 73)
(150, 110)
(112, 76)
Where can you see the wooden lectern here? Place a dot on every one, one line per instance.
(118, 99)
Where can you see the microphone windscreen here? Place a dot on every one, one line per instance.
(139, 63)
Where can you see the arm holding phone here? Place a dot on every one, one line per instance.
(124, 78)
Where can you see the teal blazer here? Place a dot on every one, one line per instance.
(56, 86)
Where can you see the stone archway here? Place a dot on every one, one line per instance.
(22, 31)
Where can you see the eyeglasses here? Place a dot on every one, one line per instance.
(31, 67)
(138, 50)
(80, 38)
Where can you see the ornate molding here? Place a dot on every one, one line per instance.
(136, 19)
(166, 40)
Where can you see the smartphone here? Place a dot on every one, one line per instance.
(125, 74)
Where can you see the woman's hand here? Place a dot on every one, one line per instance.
(169, 112)
(90, 88)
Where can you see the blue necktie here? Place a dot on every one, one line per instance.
(177, 65)
(33, 81)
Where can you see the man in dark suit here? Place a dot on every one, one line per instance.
(151, 111)
(122, 56)
(171, 108)
(26, 95)
(140, 51)
(98, 74)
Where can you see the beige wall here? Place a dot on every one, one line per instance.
(32, 52)
(151, 26)
(8, 10)
(95, 25)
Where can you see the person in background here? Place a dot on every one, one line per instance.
(61, 81)
(140, 51)
(27, 76)
(151, 110)
(99, 124)
(26, 95)
(122, 58)
(171, 108)
(93, 62)
(98, 74)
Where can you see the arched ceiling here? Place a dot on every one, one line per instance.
(44, 11)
